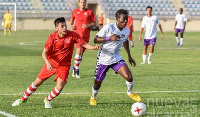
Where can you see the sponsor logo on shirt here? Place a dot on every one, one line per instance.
(85, 13)
(67, 40)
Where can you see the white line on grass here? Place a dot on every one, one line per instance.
(74, 93)
(31, 43)
(6, 114)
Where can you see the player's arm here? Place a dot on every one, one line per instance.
(162, 36)
(90, 47)
(184, 25)
(131, 60)
(98, 39)
(141, 31)
(72, 23)
(92, 24)
(175, 24)
(45, 58)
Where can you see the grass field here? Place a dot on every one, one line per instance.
(170, 86)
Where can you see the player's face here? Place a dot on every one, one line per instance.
(149, 11)
(122, 21)
(181, 11)
(62, 28)
(82, 4)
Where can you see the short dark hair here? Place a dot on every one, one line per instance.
(149, 7)
(121, 11)
(84, 0)
(59, 20)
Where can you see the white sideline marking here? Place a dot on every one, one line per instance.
(31, 43)
(7, 114)
(185, 91)
(178, 48)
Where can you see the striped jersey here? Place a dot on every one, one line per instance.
(109, 52)
(150, 23)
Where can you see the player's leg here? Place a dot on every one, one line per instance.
(5, 29)
(153, 42)
(43, 75)
(100, 74)
(176, 37)
(124, 71)
(77, 61)
(54, 93)
(9, 29)
(31, 89)
(60, 79)
(144, 55)
(181, 39)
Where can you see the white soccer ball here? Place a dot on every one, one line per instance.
(138, 109)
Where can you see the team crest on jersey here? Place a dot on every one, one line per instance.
(67, 40)
(85, 13)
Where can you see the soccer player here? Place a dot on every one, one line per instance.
(101, 19)
(130, 26)
(81, 21)
(7, 19)
(180, 23)
(149, 22)
(57, 56)
(112, 36)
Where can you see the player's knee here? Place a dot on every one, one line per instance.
(128, 77)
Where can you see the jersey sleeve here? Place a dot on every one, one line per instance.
(103, 31)
(72, 16)
(157, 20)
(49, 43)
(92, 17)
(143, 24)
(185, 18)
(10, 16)
(176, 19)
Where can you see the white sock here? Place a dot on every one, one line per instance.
(150, 54)
(129, 87)
(177, 39)
(144, 57)
(94, 93)
(181, 41)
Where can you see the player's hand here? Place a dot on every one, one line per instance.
(73, 27)
(132, 62)
(85, 26)
(114, 37)
(10, 22)
(140, 39)
(2, 23)
(96, 47)
(162, 36)
(49, 66)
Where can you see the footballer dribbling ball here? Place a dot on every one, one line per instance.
(138, 109)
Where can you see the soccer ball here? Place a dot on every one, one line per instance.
(138, 109)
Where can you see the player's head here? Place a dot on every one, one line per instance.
(121, 18)
(7, 10)
(149, 10)
(60, 25)
(82, 4)
(181, 10)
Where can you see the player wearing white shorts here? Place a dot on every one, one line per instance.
(180, 23)
(112, 36)
(149, 22)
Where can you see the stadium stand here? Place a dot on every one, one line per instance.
(137, 8)
(38, 8)
(193, 8)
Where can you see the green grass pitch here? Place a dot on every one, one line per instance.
(170, 86)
